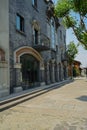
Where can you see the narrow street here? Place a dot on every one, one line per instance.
(64, 108)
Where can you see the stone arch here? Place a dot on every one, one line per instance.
(23, 51)
(2, 55)
(26, 50)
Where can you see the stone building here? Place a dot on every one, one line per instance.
(32, 45)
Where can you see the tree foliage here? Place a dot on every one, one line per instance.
(71, 52)
(74, 14)
(76, 72)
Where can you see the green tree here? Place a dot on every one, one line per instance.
(71, 51)
(71, 54)
(76, 72)
(74, 14)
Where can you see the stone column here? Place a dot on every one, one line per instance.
(62, 72)
(42, 76)
(63, 77)
(57, 73)
(18, 78)
(52, 71)
(66, 72)
(47, 71)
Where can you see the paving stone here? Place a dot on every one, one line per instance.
(59, 109)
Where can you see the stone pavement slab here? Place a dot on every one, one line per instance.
(63, 108)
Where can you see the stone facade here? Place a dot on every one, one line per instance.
(4, 49)
(37, 45)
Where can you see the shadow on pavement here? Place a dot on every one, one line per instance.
(82, 98)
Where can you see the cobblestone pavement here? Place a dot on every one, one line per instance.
(64, 108)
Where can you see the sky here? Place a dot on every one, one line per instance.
(82, 53)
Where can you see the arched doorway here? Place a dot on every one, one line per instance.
(30, 69)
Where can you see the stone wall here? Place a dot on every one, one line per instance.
(29, 13)
(4, 48)
(19, 39)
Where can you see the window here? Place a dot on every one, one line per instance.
(20, 23)
(52, 33)
(34, 2)
(35, 36)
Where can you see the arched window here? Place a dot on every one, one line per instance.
(36, 32)
(2, 55)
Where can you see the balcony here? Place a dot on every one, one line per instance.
(42, 43)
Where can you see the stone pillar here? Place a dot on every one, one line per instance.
(42, 76)
(57, 73)
(18, 78)
(4, 79)
(62, 72)
(52, 71)
(47, 71)
(66, 72)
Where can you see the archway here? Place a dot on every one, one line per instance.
(26, 50)
(28, 65)
(30, 69)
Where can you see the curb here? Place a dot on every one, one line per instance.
(13, 101)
